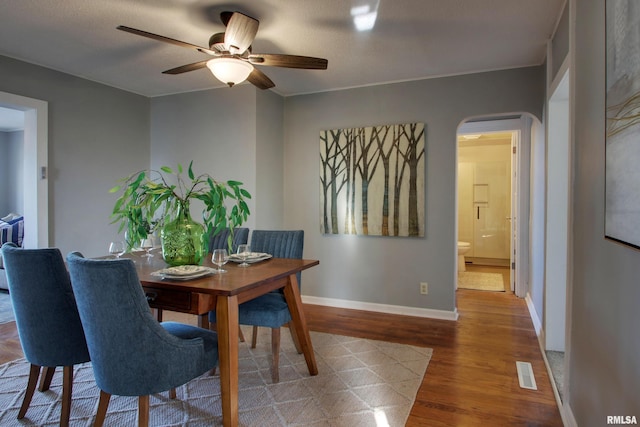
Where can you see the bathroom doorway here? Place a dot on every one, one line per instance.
(484, 196)
(493, 170)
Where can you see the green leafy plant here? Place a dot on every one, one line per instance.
(150, 200)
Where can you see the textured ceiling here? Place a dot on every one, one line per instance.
(411, 39)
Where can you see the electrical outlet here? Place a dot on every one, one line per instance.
(424, 288)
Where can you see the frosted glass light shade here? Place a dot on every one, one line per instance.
(230, 70)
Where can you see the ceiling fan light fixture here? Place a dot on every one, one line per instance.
(230, 71)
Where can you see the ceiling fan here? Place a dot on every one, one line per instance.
(233, 61)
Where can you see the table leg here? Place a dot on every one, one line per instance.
(292, 295)
(227, 327)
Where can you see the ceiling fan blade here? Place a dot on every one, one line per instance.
(260, 79)
(289, 61)
(225, 16)
(240, 32)
(187, 68)
(166, 39)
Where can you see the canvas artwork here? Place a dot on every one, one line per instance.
(622, 210)
(372, 180)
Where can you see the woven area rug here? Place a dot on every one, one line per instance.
(361, 383)
(480, 281)
(6, 310)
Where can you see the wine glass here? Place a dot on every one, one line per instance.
(220, 258)
(116, 248)
(147, 245)
(243, 253)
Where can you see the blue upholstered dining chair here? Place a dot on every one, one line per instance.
(219, 241)
(47, 319)
(271, 310)
(131, 353)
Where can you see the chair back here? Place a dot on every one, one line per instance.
(131, 353)
(45, 309)
(219, 241)
(279, 243)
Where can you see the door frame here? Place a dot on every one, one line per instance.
(522, 124)
(35, 167)
(558, 201)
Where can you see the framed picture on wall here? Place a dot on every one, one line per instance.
(622, 185)
(372, 180)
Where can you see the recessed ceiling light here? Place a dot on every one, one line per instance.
(364, 15)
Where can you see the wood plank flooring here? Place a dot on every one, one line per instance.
(471, 379)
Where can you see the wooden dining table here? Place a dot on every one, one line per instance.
(223, 293)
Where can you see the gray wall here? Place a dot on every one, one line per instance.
(230, 134)
(560, 42)
(270, 158)
(605, 343)
(387, 270)
(97, 134)
(5, 187)
(12, 178)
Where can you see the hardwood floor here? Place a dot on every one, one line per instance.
(9, 343)
(471, 379)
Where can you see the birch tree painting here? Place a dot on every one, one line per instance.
(372, 180)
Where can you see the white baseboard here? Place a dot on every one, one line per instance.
(567, 416)
(537, 324)
(382, 308)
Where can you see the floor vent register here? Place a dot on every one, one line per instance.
(525, 375)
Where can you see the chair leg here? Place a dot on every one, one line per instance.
(103, 404)
(275, 352)
(67, 390)
(294, 337)
(254, 337)
(143, 411)
(47, 376)
(34, 372)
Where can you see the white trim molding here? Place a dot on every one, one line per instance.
(537, 324)
(382, 308)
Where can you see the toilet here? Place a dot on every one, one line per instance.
(463, 248)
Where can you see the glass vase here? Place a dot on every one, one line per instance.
(183, 239)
